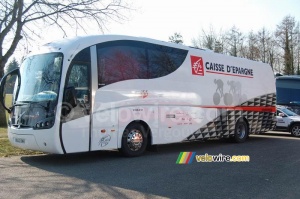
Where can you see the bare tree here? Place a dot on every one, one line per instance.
(220, 43)
(263, 38)
(210, 40)
(17, 17)
(297, 55)
(280, 49)
(196, 42)
(11, 66)
(206, 39)
(251, 49)
(235, 41)
(273, 55)
(176, 38)
(268, 49)
(285, 35)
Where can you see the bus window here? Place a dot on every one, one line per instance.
(124, 60)
(78, 77)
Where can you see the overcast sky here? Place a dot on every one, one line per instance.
(159, 19)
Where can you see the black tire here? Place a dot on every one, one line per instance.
(295, 130)
(241, 131)
(134, 140)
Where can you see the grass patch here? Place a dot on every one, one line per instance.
(7, 150)
(3, 132)
(3, 113)
(8, 103)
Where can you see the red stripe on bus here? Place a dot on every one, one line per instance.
(245, 108)
(229, 74)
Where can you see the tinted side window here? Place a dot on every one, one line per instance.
(124, 60)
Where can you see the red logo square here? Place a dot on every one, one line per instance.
(197, 65)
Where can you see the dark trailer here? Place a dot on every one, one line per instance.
(288, 92)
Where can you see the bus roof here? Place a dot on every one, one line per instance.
(71, 46)
(81, 42)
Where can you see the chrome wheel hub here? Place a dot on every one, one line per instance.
(134, 140)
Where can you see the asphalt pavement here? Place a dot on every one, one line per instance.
(273, 172)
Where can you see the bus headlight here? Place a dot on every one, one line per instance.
(44, 124)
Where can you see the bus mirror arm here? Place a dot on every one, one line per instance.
(70, 96)
(2, 86)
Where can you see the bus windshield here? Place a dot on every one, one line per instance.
(36, 100)
(40, 78)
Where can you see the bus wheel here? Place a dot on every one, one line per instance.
(241, 131)
(134, 140)
(295, 130)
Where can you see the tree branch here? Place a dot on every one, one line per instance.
(17, 16)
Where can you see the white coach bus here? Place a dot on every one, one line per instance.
(119, 92)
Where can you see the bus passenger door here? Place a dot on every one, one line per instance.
(75, 126)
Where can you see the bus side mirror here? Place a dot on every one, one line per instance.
(3, 82)
(70, 96)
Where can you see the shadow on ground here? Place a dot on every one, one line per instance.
(157, 172)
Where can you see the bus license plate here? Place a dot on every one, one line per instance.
(20, 140)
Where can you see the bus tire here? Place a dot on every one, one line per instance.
(241, 131)
(295, 130)
(134, 140)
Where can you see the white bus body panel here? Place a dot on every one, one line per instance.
(76, 135)
(185, 102)
(147, 114)
(105, 130)
(183, 105)
(46, 140)
(177, 123)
